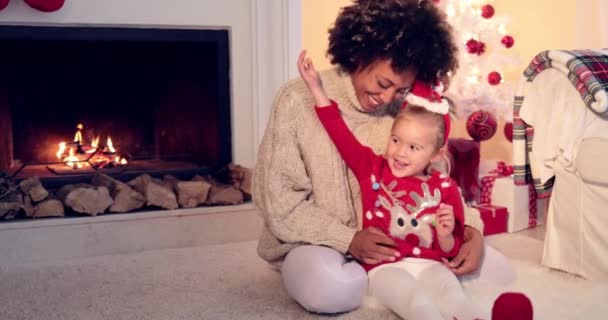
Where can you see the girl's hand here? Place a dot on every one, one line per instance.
(312, 79)
(444, 220)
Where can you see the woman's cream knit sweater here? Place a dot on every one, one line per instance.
(302, 188)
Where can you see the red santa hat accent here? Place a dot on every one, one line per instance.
(430, 97)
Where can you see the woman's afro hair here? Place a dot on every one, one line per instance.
(409, 33)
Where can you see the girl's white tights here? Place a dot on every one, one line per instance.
(322, 280)
(421, 289)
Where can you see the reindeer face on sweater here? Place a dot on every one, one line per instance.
(408, 224)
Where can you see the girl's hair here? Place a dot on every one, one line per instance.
(409, 33)
(418, 112)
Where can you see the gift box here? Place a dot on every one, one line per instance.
(498, 188)
(495, 218)
(464, 163)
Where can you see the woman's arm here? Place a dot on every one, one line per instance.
(468, 259)
(282, 189)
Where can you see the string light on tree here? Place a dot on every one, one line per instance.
(483, 40)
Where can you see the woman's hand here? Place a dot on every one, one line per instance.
(468, 258)
(372, 246)
(312, 79)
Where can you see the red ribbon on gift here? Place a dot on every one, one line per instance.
(503, 170)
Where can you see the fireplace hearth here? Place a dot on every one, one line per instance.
(160, 95)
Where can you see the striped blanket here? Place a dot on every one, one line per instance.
(587, 70)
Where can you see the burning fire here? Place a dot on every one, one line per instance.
(78, 154)
(110, 146)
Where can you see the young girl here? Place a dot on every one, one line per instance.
(419, 209)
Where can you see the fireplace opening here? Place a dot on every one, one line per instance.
(121, 101)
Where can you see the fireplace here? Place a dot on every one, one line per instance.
(264, 42)
(155, 100)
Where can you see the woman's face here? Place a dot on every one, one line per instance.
(378, 85)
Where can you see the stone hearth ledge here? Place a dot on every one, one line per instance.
(29, 241)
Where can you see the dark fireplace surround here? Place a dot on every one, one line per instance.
(161, 94)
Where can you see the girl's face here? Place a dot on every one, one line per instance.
(412, 146)
(378, 85)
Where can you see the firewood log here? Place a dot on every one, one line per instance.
(34, 189)
(156, 194)
(190, 194)
(11, 202)
(170, 182)
(26, 202)
(85, 198)
(9, 210)
(125, 198)
(220, 193)
(49, 208)
(242, 178)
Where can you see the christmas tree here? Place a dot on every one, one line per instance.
(483, 41)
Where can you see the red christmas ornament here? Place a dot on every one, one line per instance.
(494, 78)
(475, 47)
(472, 46)
(481, 49)
(507, 41)
(508, 130)
(45, 5)
(487, 11)
(481, 125)
(3, 4)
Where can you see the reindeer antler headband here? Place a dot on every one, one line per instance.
(430, 97)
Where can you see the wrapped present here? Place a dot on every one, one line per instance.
(465, 166)
(495, 218)
(499, 189)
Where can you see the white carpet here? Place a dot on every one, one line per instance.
(230, 282)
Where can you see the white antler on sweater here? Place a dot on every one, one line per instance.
(424, 201)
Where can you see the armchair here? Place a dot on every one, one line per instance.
(561, 142)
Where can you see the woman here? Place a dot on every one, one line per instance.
(309, 200)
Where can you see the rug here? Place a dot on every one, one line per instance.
(229, 281)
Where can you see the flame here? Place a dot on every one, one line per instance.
(95, 142)
(94, 145)
(101, 158)
(78, 134)
(61, 150)
(110, 145)
(72, 160)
